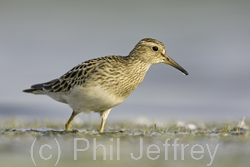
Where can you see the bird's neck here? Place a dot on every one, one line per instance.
(132, 76)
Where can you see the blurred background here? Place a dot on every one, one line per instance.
(41, 40)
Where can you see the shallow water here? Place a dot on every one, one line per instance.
(213, 145)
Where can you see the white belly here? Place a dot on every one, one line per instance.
(82, 99)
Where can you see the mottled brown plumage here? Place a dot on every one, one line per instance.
(102, 83)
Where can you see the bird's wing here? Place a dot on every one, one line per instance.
(75, 76)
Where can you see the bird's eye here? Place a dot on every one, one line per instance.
(155, 48)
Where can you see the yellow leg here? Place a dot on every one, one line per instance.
(69, 122)
(104, 117)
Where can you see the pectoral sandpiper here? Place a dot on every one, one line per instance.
(102, 83)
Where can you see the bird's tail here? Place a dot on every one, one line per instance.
(35, 89)
(29, 90)
(40, 88)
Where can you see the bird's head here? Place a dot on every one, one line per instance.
(152, 51)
